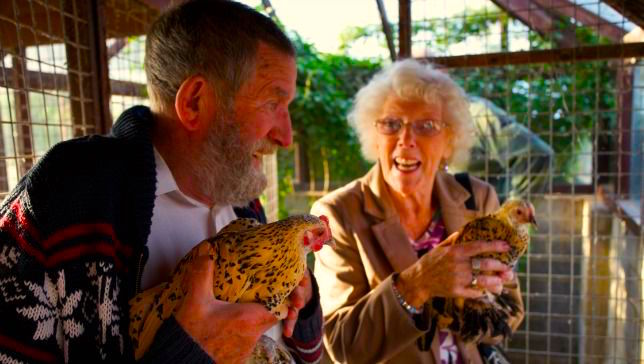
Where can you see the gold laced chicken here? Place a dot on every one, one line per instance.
(489, 314)
(254, 262)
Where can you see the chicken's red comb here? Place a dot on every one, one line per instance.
(325, 219)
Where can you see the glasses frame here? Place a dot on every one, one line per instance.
(417, 131)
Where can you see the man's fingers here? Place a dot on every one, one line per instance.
(289, 322)
(297, 298)
(305, 279)
(198, 279)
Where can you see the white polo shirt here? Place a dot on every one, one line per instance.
(179, 222)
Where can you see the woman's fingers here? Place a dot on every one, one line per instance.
(475, 248)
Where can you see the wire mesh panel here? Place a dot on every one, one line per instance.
(45, 82)
(126, 23)
(556, 93)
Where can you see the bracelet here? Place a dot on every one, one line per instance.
(409, 308)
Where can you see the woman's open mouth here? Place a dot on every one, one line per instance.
(405, 164)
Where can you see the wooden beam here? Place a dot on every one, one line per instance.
(583, 16)
(404, 28)
(560, 55)
(386, 28)
(633, 10)
(42, 81)
(268, 7)
(536, 19)
(158, 4)
(24, 145)
(116, 47)
(42, 22)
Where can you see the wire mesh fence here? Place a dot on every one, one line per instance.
(559, 120)
(557, 94)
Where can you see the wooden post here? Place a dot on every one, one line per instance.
(386, 28)
(404, 28)
(625, 112)
(99, 64)
(74, 69)
(24, 145)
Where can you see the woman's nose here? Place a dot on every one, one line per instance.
(406, 136)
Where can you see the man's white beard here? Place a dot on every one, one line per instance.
(225, 171)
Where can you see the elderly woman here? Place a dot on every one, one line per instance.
(412, 120)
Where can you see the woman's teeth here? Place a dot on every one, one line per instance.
(404, 164)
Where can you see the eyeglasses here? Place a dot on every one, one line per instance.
(392, 126)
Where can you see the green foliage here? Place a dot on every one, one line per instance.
(561, 102)
(326, 85)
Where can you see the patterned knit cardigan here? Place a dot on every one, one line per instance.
(73, 246)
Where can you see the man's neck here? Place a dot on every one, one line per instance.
(177, 150)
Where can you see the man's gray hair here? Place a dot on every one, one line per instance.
(217, 39)
(412, 80)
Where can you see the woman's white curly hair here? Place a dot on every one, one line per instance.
(411, 80)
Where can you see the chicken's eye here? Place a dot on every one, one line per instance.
(519, 212)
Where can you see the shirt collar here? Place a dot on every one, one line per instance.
(166, 184)
(165, 180)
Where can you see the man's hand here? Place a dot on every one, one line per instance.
(300, 296)
(226, 331)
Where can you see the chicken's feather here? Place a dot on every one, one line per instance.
(472, 318)
(253, 263)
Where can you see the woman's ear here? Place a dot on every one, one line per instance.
(449, 150)
(193, 103)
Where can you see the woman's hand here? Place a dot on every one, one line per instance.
(446, 271)
(226, 331)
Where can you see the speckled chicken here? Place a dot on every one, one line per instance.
(472, 318)
(253, 263)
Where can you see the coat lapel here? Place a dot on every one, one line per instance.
(388, 231)
(389, 234)
(395, 244)
(451, 198)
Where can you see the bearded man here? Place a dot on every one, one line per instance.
(101, 218)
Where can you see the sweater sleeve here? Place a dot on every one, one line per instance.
(173, 345)
(306, 342)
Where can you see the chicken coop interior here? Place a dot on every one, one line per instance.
(557, 96)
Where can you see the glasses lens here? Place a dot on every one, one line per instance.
(427, 127)
(388, 126)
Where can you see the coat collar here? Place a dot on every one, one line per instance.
(387, 229)
(377, 201)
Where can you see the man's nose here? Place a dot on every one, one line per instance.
(282, 132)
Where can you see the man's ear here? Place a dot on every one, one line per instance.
(192, 102)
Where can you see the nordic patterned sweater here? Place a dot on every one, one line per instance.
(72, 248)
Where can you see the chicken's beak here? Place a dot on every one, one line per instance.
(330, 243)
(533, 221)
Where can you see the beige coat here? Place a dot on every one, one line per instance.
(364, 323)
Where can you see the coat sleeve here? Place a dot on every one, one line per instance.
(357, 316)
(173, 345)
